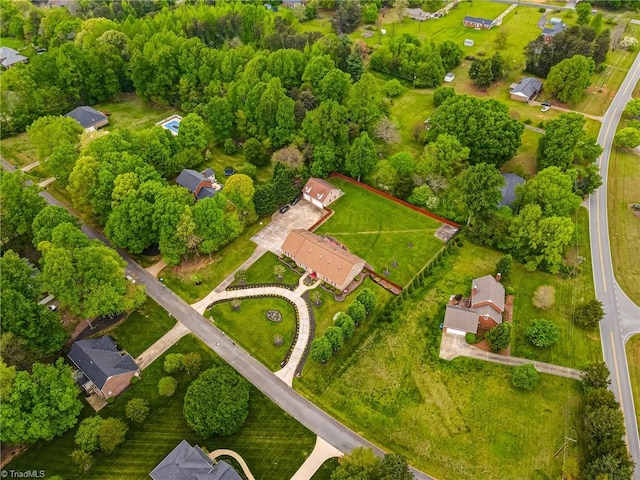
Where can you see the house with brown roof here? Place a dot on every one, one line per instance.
(482, 310)
(320, 192)
(322, 258)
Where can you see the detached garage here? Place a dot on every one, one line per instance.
(320, 193)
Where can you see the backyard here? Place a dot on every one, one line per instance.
(633, 358)
(251, 329)
(387, 235)
(269, 433)
(459, 419)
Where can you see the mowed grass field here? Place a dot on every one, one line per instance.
(623, 189)
(272, 443)
(381, 231)
(251, 329)
(633, 359)
(459, 419)
(262, 271)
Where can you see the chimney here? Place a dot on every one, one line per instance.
(498, 277)
(474, 290)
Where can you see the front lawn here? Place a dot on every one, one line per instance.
(381, 231)
(459, 419)
(262, 271)
(142, 328)
(633, 359)
(272, 443)
(252, 330)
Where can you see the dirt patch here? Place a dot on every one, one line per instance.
(9, 452)
(189, 267)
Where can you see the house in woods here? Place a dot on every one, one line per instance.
(322, 258)
(191, 463)
(320, 192)
(549, 32)
(10, 57)
(416, 14)
(201, 184)
(481, 311)
(103, 369)
(511, 181)
(477, 22)
(90, 118)
(526, 89)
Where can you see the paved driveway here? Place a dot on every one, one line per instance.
(301, 215)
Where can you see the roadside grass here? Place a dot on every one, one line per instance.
(577, 347)
(326, 469)
(272, 443)
(381, 231)
(213, 269)
(633, 359)
(142, 328)
(459, 419)
(524, 163)
(624, 189)
(251, 329)
(262, 271)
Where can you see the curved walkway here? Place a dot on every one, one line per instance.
(230, 453)
(322, 452)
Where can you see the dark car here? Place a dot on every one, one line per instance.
(296, 200)
(545, 104)
(438, 15)
(40, 51)
(285, 209)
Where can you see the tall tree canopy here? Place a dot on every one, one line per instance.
(568, 79)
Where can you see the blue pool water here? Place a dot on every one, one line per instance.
(173, 125)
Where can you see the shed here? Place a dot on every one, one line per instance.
(449, 77)
(468, 42)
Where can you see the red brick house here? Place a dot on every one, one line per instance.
(477, 22)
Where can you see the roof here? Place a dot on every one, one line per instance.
(557, 28)
(527, 87)
(191, 463)
(460, 318)
(190, 179)
(99, 359)
(416, 13)
(206, 192)
(318, 188)
(320, 255)
(555, 20)
(86, 116)
(483, 21)
(511, 181)
(9, 56)
(488, 289)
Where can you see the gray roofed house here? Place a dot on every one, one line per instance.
(477, 22)
(10, 57)
(88, 117)
(526, 89)
(511, 181)
(201, 184)
(487, 291)
(106, 370)
(191, 463)
(549, 33)
(461, 319)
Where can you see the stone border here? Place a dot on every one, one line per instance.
(312, 333)
(286, 286)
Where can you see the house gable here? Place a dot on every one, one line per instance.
(190, 463)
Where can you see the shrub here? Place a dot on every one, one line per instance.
(525, 377)
(112, 434)
(588, 314)
(88, 435)
(173, 363)
(321, 349)
(510, 290)
(230, 147)
(336, 337)
(527, 121)
(137, 410)
(542, 333)
(83, 460)
(393, 88)
(135, 379)
(357, 312)
(503, 267)
(471, 338)
(544, 297)
(191, 363)
(499, 336)
(167, 386)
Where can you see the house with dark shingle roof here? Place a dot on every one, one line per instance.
(10, 57)
(511, 181)
(549, 32)
(477, 22)
(89, 118)
(191, 463)
(105, 370)
(201, 184)
(482, 310)
(526, 89)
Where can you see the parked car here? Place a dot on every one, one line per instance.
(285, 209)
(52, 307)
(437, 15)
(545, 109)
(545, 104)
(296, 200)
(130, 278)
(40, 51)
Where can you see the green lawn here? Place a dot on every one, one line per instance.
(459, 419)
(577, 347)
(262, 271)
(380, 230)
(142, 328)
(129, 111)
(14, 43)
(273, 444)
(18, 150)
(214, 269)
(326, 469)
(624, 189)
(633, 359)
(252, 330)
(524, 163)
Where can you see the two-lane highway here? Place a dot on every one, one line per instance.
(622, 316)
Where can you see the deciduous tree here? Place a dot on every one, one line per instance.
(552, 190)
(588, 314)
(568, 79)
(321, 349)
(48, 132)
(480, 188)
(525, 377)
(499, 336)
(628, 137)
(357, 311)
(336, 337)
(542, 332)
(362, 157)
(137, 410)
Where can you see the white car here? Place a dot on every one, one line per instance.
(130, 278)
(545, 109)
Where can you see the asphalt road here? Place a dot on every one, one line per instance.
(622, 316)
(288, 399)
(568, 6)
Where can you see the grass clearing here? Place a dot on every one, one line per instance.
(624, 225)
(459, 419)
(262, 271)
(142, 328)
(381, 231)
(633, 359)
(14, 43)
(18, 150)
(269, 433)
(251, 329)
(129, 111)
(524, 163)
(210, 270)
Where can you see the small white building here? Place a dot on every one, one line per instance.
(449, 77)
(468, 42)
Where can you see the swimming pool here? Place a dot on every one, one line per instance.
(173, 125)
